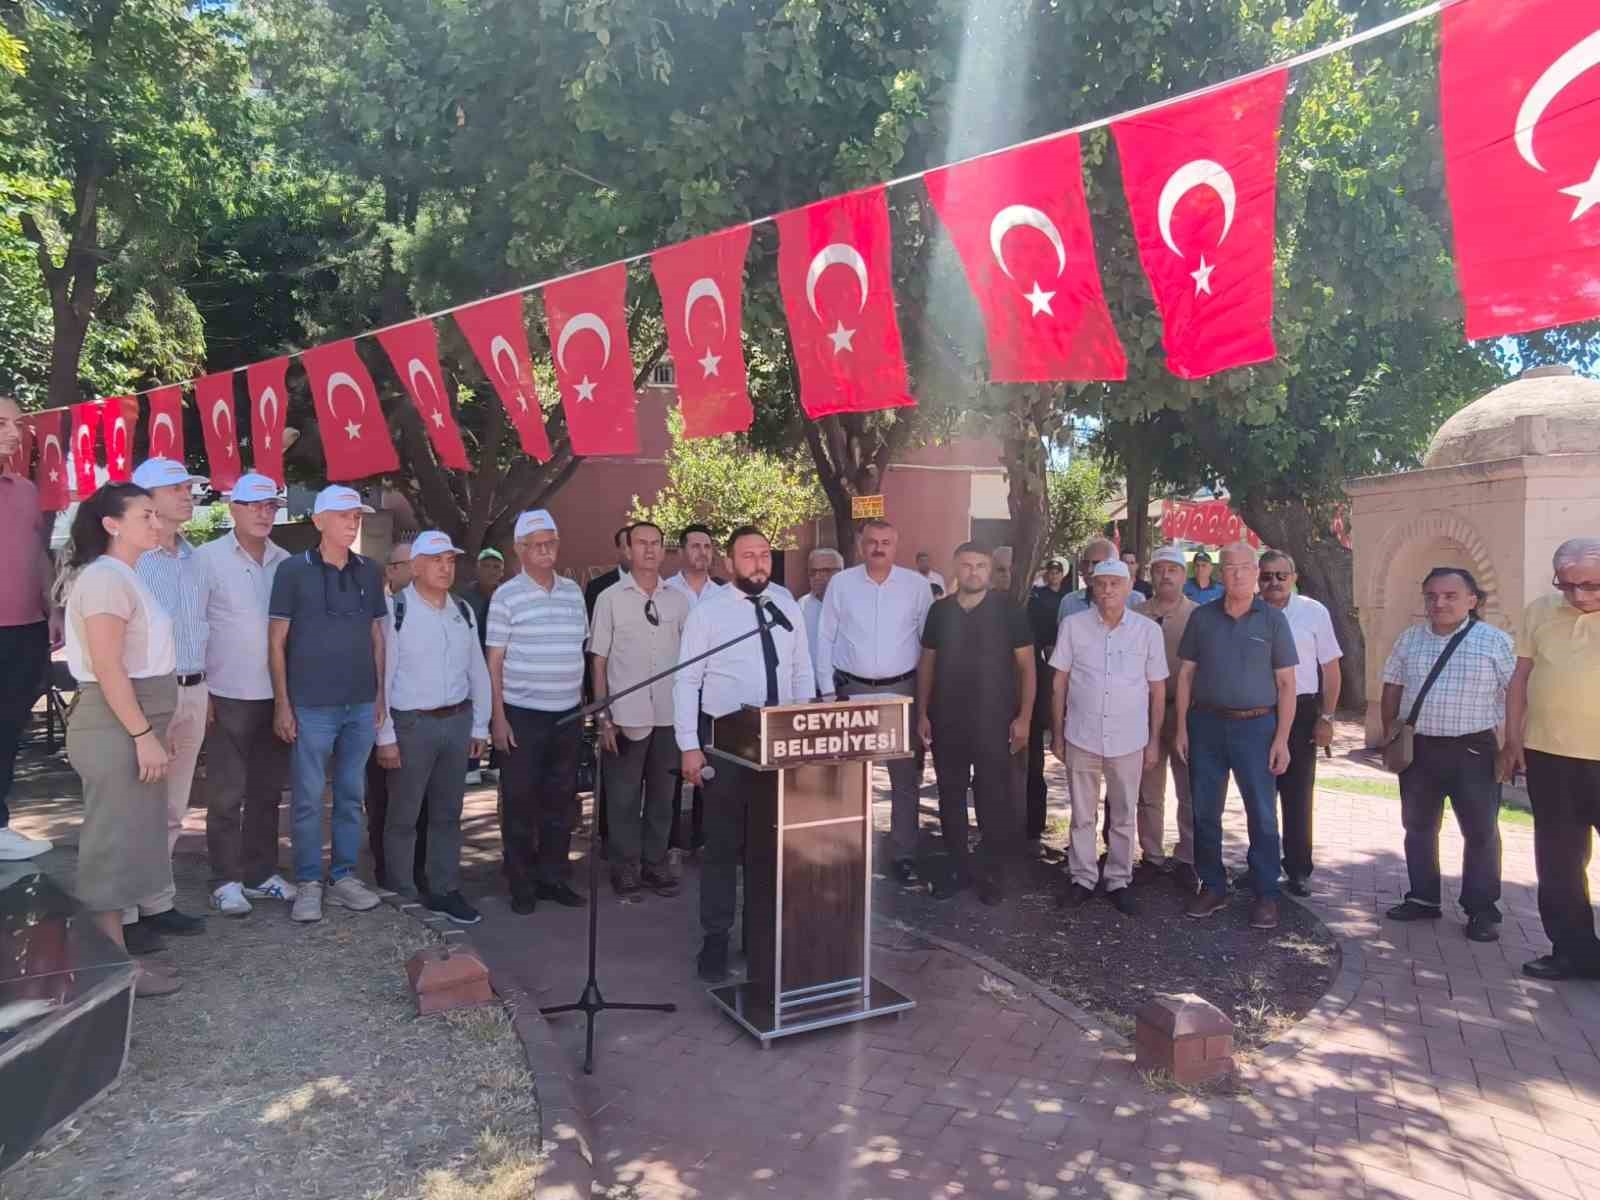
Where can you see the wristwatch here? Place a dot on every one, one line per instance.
(1328, 717)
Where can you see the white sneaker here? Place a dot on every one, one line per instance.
(14, 846)
(307, 903)
(274, 887)
(229, 901)
(352, 893)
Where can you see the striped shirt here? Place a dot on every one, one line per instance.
(174, 580)
(1470, 694)
(542, 633)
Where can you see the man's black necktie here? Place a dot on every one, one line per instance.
(769, 649)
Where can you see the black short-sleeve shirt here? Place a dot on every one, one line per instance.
(330, 614)
(1235, 658)
(975, 674)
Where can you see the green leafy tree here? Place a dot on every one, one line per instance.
(1079, 493)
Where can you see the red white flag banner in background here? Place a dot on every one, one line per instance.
(85, 427)
(1020, 219)
(702, 302)
(1212, 523)
(213, 399)
(119, 417)
(413, 348)
(355, 436)
(164, 436)
(588, 322)
(1201, 179)
(1519, 93)
(499, 339)
(50, 476)
(837, 278)
(267, 385)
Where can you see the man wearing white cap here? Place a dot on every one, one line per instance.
(246, 764)
(1169, 608)
(325, 647)
(1110, 691)
(438, 692)
(537, 629)
(173, 576)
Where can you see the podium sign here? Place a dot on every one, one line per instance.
(867, 727)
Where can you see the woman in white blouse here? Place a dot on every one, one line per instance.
(120, 649)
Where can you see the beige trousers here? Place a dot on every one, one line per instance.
(186, 734)
(1153, 802)
(1085, 773)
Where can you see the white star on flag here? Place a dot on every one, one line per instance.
(267, 441)
(120, 461)
(522, 401)
(55, 476)
(1586, 193)
(841, 338)
(1040, 299)
(438, 419)
(227, 452)
(586, 389)
(352, 430)
(1202, 277)
(709, 364)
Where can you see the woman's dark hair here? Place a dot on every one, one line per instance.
(1466, 577)
(89, 537)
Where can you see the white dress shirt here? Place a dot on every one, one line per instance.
(872, 630)
(811, 610)
(726, 682)
(677, 584)
(433, 662)
(1110, 671)
(235, 590)
(1314, 641)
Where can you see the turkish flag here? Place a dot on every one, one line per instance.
(165, 431)
(50, 476)
(21, 461)
(588, 324)
(267, 386)
(355, 437)
(499, 339)
(838, 290)
(1202, 185)
(702, 292)
(1519, 93)
(1020, 223)
(119, 417)
(413, 348)
(85, 427)
(213, 398)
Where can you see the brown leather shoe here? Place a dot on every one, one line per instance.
(1206, 903)
(1264, 913)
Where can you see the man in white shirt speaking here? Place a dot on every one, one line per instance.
(870, 640)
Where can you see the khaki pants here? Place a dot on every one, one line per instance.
(185, 735)
(1085, 772)
(1153, 801)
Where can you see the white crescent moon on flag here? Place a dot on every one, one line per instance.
(584, 322)
(1018, 216)
(220, 410)
(344, 379)
(700, 289)
(416, 367)
(1202, 172)
(271, 394)
(836, 255)
(1547, 87)
(50, 440)
(156, 423)
(498, 347)
(85, 442)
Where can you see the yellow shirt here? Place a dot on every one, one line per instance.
(1564, 689)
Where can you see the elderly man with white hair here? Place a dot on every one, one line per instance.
(822, 564)
(1095, 551)
(1553, 732)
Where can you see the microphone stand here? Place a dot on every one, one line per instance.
(592, 1002)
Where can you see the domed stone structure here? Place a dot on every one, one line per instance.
(1504, 482)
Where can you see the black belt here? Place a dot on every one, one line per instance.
(191, 680)
(864, 682)
(1236, 714)
(448, 710)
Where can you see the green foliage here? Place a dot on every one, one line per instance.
(208, 524)
(1078, 495)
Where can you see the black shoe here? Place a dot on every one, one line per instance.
(1552, 967)
(454, 907)
(1123, 899)
(175, 924)
(712, 962)
(1410, 910)
(951, 887)
(1075, 896)
(561, 893)
(904, 872)
(1481, 928)
(140, 939)
(523, 905)
(991, 892)
(1296, 886)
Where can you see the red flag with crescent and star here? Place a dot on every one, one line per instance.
(267, 385)
(119, 417)
(1019, 219)
(21, 460)
(213, 399)
(837, 277)
(499, 339)
(702, 301)
(355, 436)
(413, 348)
(50, 475)
(1519, 89)
(1202, 185)
(588, 321)
(165, 432)
(85, 428)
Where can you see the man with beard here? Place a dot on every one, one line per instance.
(771, 668)
(694, 578)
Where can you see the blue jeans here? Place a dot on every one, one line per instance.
(346, 732)
(1217, 746)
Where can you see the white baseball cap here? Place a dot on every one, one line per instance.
(433, 542)
(338, 498)
(536, 521)
(163, 472)
(1169, 554)
(252, 488)
(1112, 566)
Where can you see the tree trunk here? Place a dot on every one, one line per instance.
(1027, 466)
(1138, 522)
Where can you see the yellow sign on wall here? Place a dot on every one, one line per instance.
(863, 507)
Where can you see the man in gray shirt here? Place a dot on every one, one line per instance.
(1236, 702)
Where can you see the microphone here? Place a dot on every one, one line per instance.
(776, 617)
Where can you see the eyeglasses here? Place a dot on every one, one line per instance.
(650, 613)
(1277, 576)
(1584, 589)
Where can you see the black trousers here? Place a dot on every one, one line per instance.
(1463, 769)
(697, 805)
(538, 786)
(1297, 789)
(24, 657)
(377, 802)
(985, 764)
(1566, 811)
(1038, 794)
(726, 816)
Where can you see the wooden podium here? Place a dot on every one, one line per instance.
(803, 772)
